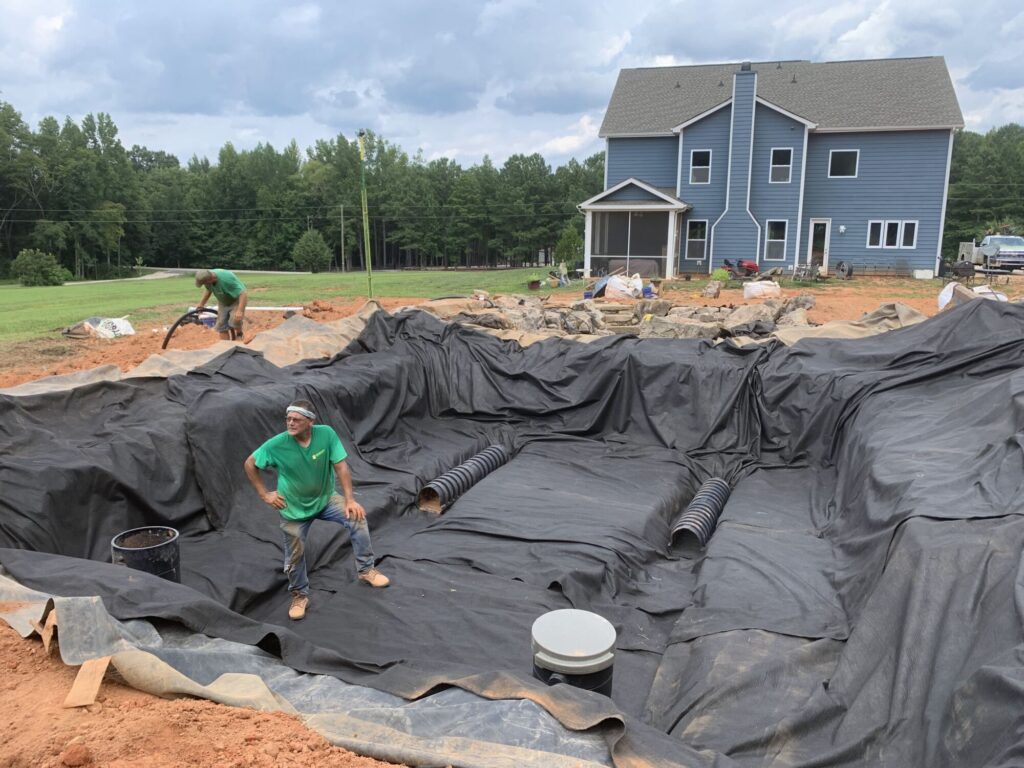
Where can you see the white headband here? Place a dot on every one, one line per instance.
(301, 411)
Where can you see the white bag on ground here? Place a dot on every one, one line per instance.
(762, 289)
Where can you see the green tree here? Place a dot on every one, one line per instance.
(33, 267)
(311, 252)
(569, 248)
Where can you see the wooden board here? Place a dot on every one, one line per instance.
(87, 683)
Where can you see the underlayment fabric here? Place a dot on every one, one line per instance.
(859, 604)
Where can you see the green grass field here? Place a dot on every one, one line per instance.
(30, 313)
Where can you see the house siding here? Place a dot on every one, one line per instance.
(737, 235)
(649, 159)
(774, 130)
(633, 193)
(708, 200)
(901, 175)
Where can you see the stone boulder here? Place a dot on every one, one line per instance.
(803, 301)
(678, 328)
(795, 317)
(712, 289)
(748, 314)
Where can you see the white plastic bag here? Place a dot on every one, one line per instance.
(112, 327)
(762, 289)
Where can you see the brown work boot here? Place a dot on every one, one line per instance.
(297, 610)
(374, 578)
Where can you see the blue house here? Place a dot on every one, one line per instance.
(784, 163)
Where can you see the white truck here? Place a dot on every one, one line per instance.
(1003, 252)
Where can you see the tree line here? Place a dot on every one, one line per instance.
(986, 186)
(73, 190)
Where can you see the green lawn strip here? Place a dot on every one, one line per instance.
(39, 312)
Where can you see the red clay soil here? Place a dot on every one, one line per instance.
(126, 727)
(38, 359)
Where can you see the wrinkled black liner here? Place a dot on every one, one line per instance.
(858, 604)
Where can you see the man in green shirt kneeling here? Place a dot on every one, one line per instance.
(309, 458)
(231, 298)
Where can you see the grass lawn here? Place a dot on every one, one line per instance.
(29, 313)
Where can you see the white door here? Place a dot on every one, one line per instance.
(817, 243)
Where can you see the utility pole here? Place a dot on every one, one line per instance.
(342, 238)
(366, 218)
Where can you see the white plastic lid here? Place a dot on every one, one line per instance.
(573, 642)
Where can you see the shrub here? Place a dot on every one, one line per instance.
(34, 267)
(721, 275)
(311, 252)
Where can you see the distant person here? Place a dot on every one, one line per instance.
(231, 298)
(309, 458)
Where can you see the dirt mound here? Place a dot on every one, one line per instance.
(128, 728)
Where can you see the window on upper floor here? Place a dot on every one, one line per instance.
(775, 240)
(842, 163)
(782, 166)
(696, 239)
(700, 166)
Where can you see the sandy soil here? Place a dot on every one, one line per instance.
(36, 359)
(129, 728)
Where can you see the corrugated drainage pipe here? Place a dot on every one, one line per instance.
(439, 494)
(701, 515)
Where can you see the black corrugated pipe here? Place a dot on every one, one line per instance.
(438, 494)
(701, 515)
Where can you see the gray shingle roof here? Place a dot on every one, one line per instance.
(877, 93)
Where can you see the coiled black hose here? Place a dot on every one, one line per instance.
(438, 494)
(192, 316)
(701, 515)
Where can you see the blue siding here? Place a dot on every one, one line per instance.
(708, 200)
(900, 176)
(776, 201)
(631, 192)
(737, 235)
(652, 160)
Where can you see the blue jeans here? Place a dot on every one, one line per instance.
(295, 543)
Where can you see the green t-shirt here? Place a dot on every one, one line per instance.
(228, 288)
(305, 476)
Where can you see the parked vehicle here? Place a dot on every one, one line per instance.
(994, 252)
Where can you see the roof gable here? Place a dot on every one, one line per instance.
(877, 94)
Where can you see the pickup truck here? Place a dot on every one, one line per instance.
(995, 252)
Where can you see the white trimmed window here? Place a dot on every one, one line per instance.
(909, 237)
(700, 166)
(781, 170)
(696, 239)
(842, 163)
(875, 234)
(775, 240)
(892, 234)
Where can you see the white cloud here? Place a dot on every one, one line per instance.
(876, 37)
(614, 47)
(584, 132)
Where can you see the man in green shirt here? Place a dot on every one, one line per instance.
(231, 298)
(309, 458)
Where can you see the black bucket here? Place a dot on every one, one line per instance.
(153, 549)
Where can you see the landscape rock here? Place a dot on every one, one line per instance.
(803, 301)
(795, 317)
(655, 307)
(748, 314)
(76, 755)
(712, 289)
(679, 328)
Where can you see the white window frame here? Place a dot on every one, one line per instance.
(903, 227)
(856, 170)
(767, 231)
(710, 160)
(686, 251)
(772, 166)
(899, 233)
(881, 234)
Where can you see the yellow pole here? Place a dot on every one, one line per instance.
(366, 216)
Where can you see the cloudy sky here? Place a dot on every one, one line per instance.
(458, 79)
